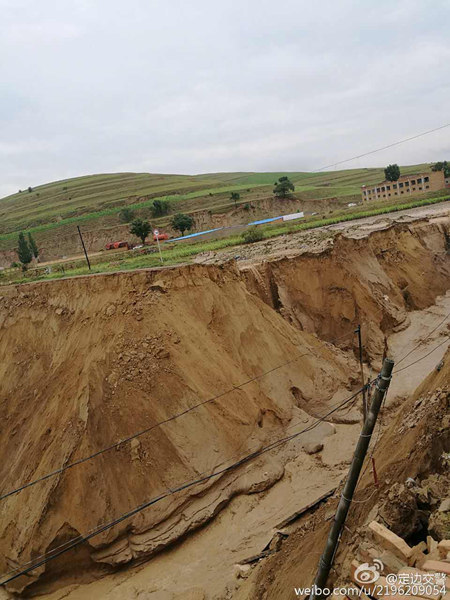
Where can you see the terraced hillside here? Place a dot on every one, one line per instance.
(52, 210)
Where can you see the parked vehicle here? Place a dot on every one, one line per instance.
(161, 237)
(116, 245)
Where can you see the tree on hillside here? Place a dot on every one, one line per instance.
(182, 223)
(442, 166)
(140, 229)
(160, 208)
(126, 215)
(235, 196)
(392, 173)
(283, 187)
(30, 189)
(23, 251)
(33, 246)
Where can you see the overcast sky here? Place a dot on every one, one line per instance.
(192, 86)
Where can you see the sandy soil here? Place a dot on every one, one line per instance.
(248, 524)
(414, 344)
(243, 529)
(130, 348)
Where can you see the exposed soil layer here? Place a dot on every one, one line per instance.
(85, 362)
(374, 281)
(89, 361)
(412, 461)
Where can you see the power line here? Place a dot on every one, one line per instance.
(178, 415)
(154, 426)
(424, 339)
(80, 539)
(143, 431)
(293, 424)
(100, 529)
(414, 137)
(425, 356)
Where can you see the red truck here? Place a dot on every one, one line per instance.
(161, 237)
(116, 245)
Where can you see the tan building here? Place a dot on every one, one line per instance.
(409, 185)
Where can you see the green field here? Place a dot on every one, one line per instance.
(96, 199)
(175, 253)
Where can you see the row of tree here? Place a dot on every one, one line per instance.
(282, 189)
(159, 208)
(392, 172)
(27, 248)
(180, 222)
(442, 166)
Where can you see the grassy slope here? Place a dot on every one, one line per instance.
(96, 199)
(184, 252)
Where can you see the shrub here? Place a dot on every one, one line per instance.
(126, 215)
(159, 208)
(235, 196)
(252, 235)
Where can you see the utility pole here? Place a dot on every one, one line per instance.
(358, 331)
(326, 560)
(84, 247)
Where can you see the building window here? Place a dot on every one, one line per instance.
(401, 192)
(427, 186)
(420, 188)
(378, 190)
(426, 179)
(400, 184)
(413, 182)
(388, 187)
(395, 186)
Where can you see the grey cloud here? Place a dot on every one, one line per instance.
(172, 86)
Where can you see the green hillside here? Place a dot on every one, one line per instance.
(96, 199)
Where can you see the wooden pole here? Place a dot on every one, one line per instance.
(326, 560)
(358, 332)
(84, 248)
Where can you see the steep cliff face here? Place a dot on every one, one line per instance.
(373, 280)
(414, 446)
(86, 362)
